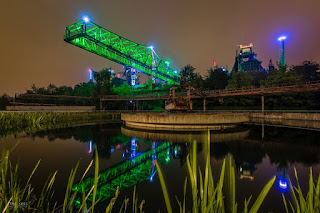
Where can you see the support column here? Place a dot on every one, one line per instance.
(133, 77)
(262, 103)
(137, 105)
(100, 104)
(204, 105)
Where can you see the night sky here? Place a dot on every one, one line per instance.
(183, 31)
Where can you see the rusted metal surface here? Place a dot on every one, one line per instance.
(182, 101)
(291, 88)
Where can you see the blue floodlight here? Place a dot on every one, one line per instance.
(283, 184)
(282, 38)
(86, 19)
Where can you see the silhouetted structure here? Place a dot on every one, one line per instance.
(246, 60)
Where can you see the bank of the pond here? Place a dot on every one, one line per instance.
(309, 120)
(17, 122)
(183, 121)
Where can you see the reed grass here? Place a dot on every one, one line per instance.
(12, 196)
(14, 123)
(208, 197)
(299, 203)
(11, 193)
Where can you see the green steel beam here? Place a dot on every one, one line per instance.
(100, 41)
(124, 175)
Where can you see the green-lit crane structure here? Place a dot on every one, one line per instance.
(126, 174)
(135, 57)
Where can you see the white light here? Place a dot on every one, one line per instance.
(282, 38)
(175, 71)
(283, 185)
(86, 19)
(151, 47)
(90, 147)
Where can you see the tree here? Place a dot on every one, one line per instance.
(36, 90)
(4, 101)
(189, 74)
(103, 83)
(308, 70)
(240, 80)
(124, 89)
(278, 77)
(198, 82)
(64, 90)
(216, 79)
(51, 89)
(258, 76)
(83, 89)
(117, 81)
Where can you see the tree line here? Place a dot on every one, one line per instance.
(219, 79)
(214, 79)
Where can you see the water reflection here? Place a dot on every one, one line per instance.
(139, 167)
(183, 137)
(282, 181)
(247, 144)
(255, 149)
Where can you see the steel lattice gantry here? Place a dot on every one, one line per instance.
(125, 174)
(100, 41)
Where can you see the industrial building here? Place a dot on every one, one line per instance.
(246, 60)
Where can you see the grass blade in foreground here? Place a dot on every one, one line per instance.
(164, 189)
(262, 195)
(310, 203)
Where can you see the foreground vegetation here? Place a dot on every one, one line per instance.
(13, 123)
(207, 196)
(299, 203)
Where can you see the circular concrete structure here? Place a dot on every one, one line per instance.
(184, 137)
(183, 121)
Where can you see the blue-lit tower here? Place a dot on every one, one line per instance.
(281, 55)
(90, 75)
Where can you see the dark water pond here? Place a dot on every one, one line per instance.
(126, 157)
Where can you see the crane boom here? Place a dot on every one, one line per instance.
(93, 38)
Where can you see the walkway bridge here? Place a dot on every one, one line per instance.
(100, 41)
(287, 88)
(126, 174)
